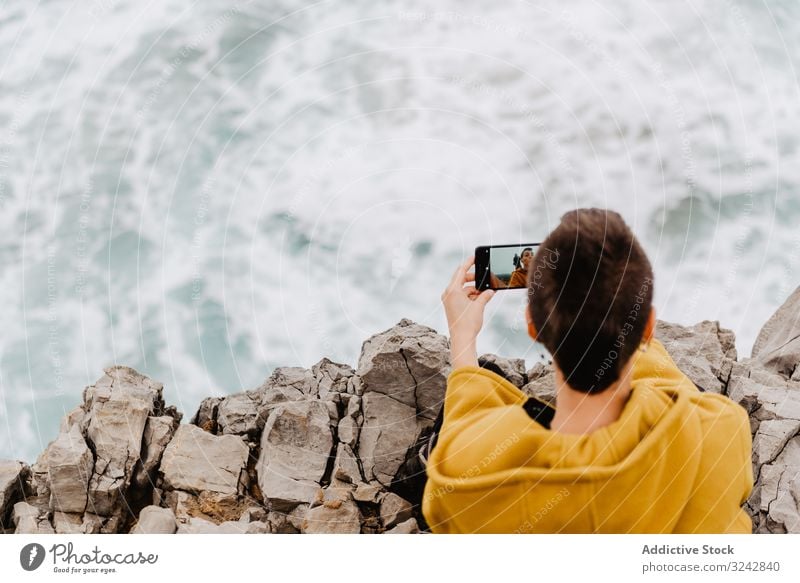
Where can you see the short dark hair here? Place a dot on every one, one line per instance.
(590, 291)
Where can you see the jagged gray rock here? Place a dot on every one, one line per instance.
(368, 492)
(158, 432)
(31, 519)
(331, 377)
(290, 522)
(296, 446)
(541, 383)
(332, 512)
(117, 408)
(395, 510)
(409, 363)
(327, 449)
(410, 526)
(197, 525)
(155, 520)
(75, 417)
(13, 476)
(70, 464)
(513, 368)
(773, 402)
(76, 523)
(238, 415)
(197, 461)
(206, 415)
(345, 466)
(704, 352)
(293, 377)
(777, 347)
(389, 429)
(350, 424)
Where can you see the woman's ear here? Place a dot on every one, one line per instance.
(531, 327)
(650, 327)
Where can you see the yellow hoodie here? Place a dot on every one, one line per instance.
(677, 460)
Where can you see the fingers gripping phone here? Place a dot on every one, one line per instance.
(500, 267)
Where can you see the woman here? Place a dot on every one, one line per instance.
(632, 445)
(519, 277)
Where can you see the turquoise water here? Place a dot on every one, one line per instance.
(205, 191)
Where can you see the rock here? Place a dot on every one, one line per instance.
(271, 396)
(704, 352)
(350, 424)
(337, 514)
(74, 417)
(348, 430)
(331, 440)
(95, 524)
(295, 449)
(409, 363)
(331, 377)
(283, 492)
(13, 476)
(40, 475)
(26, 518)
(117, 408)
(254, 514)
(345, 466)
(389, 429)
(70, 464)
(333, 413)
(158, 498)
(541, 383)
(71, 523)
(201, 526)
(158, 432)
(238, 415)
(772, 437)
(367, 492)
(197, 526)
(30, 519)
(395, 510)
(512, 368)
(355, 386)
(773, 402)
(778, 492)
(195, 461)
(292, 377)
(68, 523)
(111, 524)
(777, 347)
(288, 522)
(181, 503)
(410, 526)
(206, 415)
(764, 395)
(155, 520)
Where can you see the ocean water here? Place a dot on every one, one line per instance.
(206, 190)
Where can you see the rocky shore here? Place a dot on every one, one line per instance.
(328, 449)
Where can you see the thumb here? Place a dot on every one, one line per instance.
(485, 296)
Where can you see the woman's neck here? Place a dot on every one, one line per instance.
(580, 413)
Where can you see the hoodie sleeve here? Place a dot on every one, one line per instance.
(656, 363)
(473, 388)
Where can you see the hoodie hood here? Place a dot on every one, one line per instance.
(494, 469)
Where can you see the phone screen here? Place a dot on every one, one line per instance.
(503, 266)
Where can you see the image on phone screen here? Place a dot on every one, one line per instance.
(503, 266)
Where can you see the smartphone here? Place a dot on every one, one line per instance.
(503, 266)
